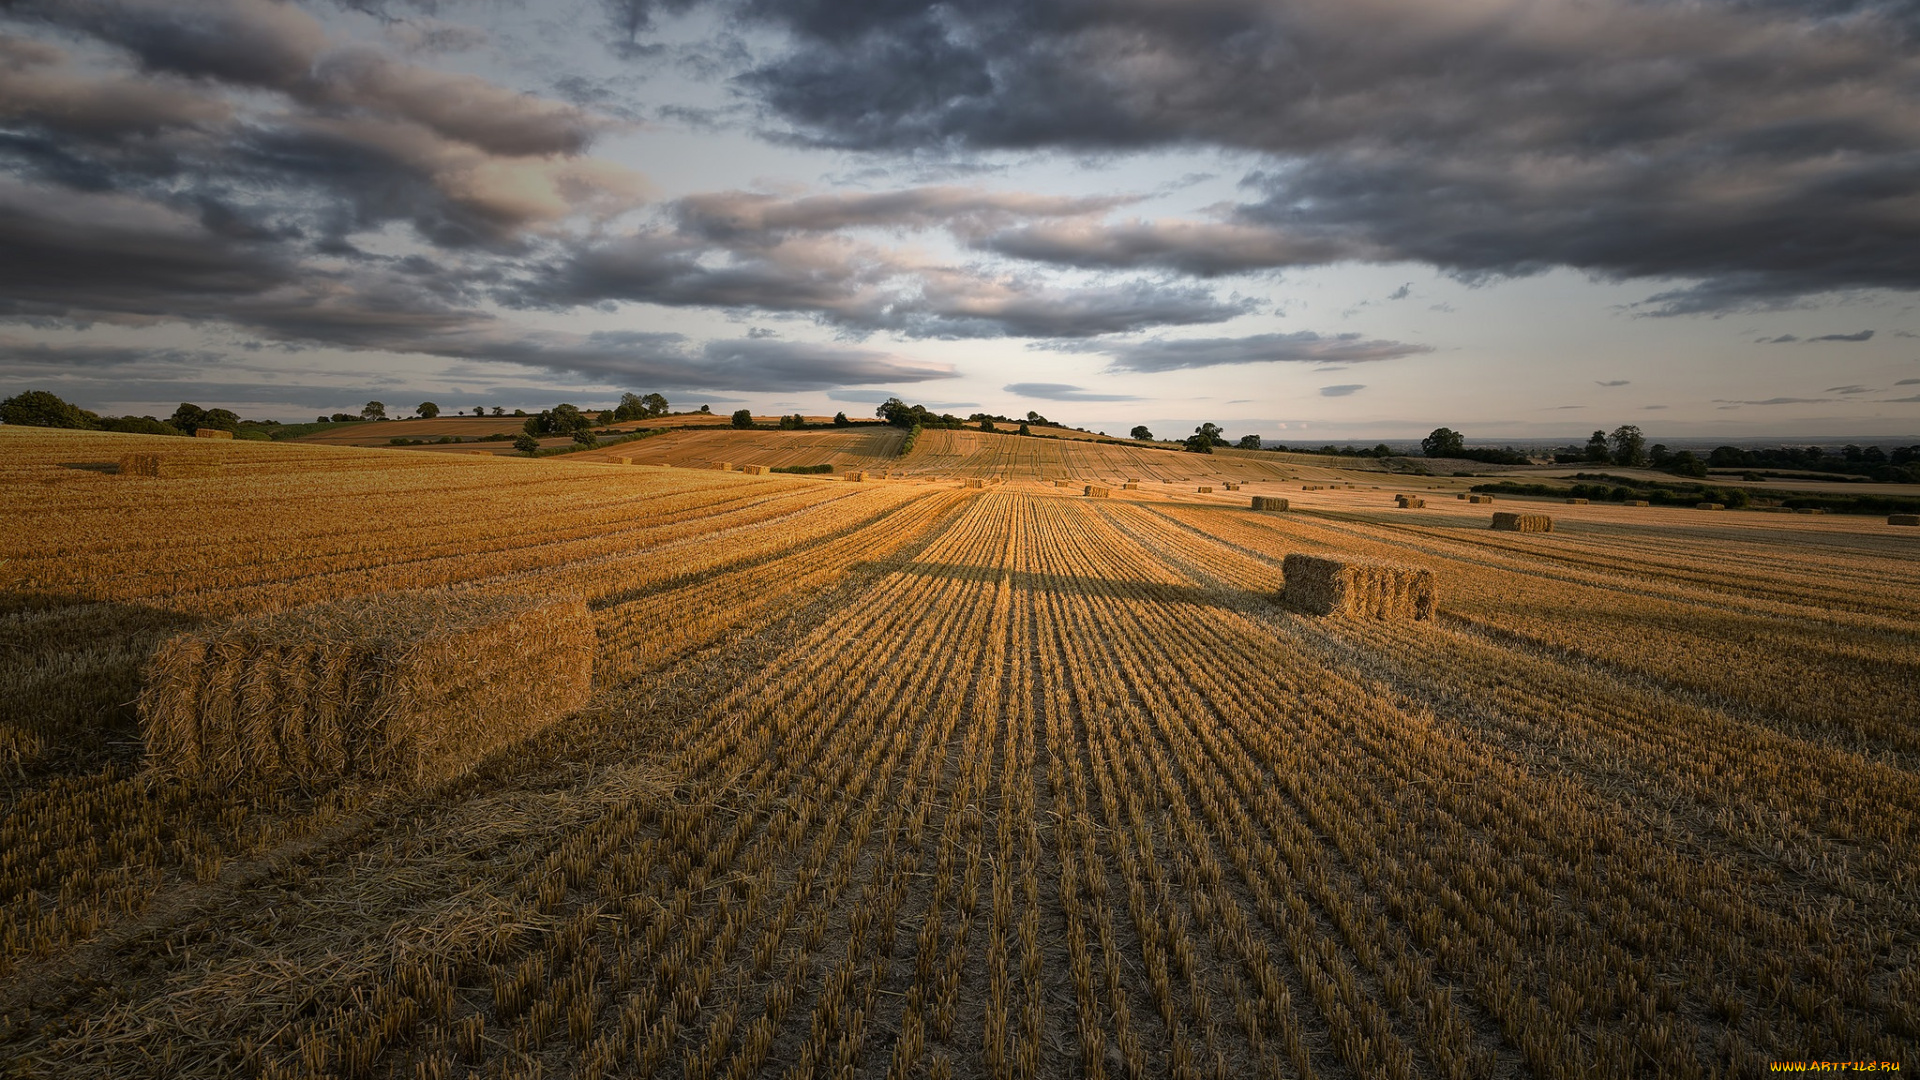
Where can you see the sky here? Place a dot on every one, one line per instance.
(1310, 220)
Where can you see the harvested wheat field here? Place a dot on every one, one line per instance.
(866, 447)
(934, 780)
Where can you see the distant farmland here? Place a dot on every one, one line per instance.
(915, 779)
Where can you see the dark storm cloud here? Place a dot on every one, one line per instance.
(1302, 347)
(1062, 392)
(1776, 401)
(1908, 382)
(1762, 152)
(1848, 390)
(671, 361)
(1863, 335)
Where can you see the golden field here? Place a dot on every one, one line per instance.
(906, 778)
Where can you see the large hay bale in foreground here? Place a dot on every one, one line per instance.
(1410, 501)
(139, 464)
(1269, 502)
(855, 478)
(1903, 519)
(1095, 491)
(724, 466)
(1336, 585)
(211, 433)
(399, 689)
(1511, 522)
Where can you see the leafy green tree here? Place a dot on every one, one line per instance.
(1443, 442)
(605, 417)
(655, 405)
(1629, 446)
(427, 410)
(480, 410)
(1140, 432)
(373, 410)
(1597, 451)
(706, 408)
(631, 407)
(526, 443)
(840, 420)
(793, 423)
(1203, 439)
(743, 418)
(568, 419)
(1023, 429)
(586, 437)
(1382, 450)
(1249, 442)
(497, 411)
(986, 424)
(39, 408)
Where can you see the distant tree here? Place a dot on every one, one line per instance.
(605, 417)
(655, 405)
(526, 443)
(1659, 455)
(338, 418)
(373, 410)
(743, 418)
(840, 420)
(986, 424)
(586, 437)
(1629, 446)
(1443, 442)
(519, 412)
(497, 411)
(39, 408)
(1249, 442)
(1203, 439)
(1035, 418)
(191, 418)
(1023, 429)
(322, 420)
(706, 409)
(793, 423)
(137, 425)
(1382, 450)
(1140, 432)
(427, 410)
(631, 407)
(479, 410)
(1597, 451)
(1685, 463)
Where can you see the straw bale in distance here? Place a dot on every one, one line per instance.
(1131, 485)
(1269, 502)
(1063, 483)
(1095, 491)
(1639, 502)
(1409, 501)
(1476, 499)
(1233, 487)
(754, 470)
(482, 453)
(976, 482)
(400, 689)
(139, 464)
(1337, 585)
(1708, 506)
(1577, 502)
(1903, 519)
(211, 433)
(856, 477)
(1511, 522)
(1461, 495)
(1204, 490)
(1810, 510)
(725, 466)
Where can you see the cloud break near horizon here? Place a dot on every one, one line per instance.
(1298, 220)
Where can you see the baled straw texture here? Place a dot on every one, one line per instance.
(1269, 502)
(1131, 485)
(139, 464)
(1336, 585)
(1204, 490)
(402, 689)
(754, 470)
(1903, 519)
(1063, 483)
(1511, 522)
(1576, 502)
(1407, 501)
(211, 433)
(975, 482)
(1094, 491)
(1708, 506)
(1639, 502)
(1477, 499)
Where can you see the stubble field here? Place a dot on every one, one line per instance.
(902, 779)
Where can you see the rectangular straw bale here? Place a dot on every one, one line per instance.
(1094, 491)
(1204, 490)
(856, 477)
(1639, 502)
(1708, 506)
(1903, 519)
(400, 689)
(624, 460)
(1809, 510)
(1131, 485)
(1461, 495)
(1576, 502)
(754, 470)
(139, 464)
(1511, 522)
(1338, 585)
(1309, 487)
(1269, 502)
(725, 466)
(1412, 503)
(1063, 483)
(211, 433)
(1233, 487)
(976, 482)
(1476, 499)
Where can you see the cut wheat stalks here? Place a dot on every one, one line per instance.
(211, 433)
